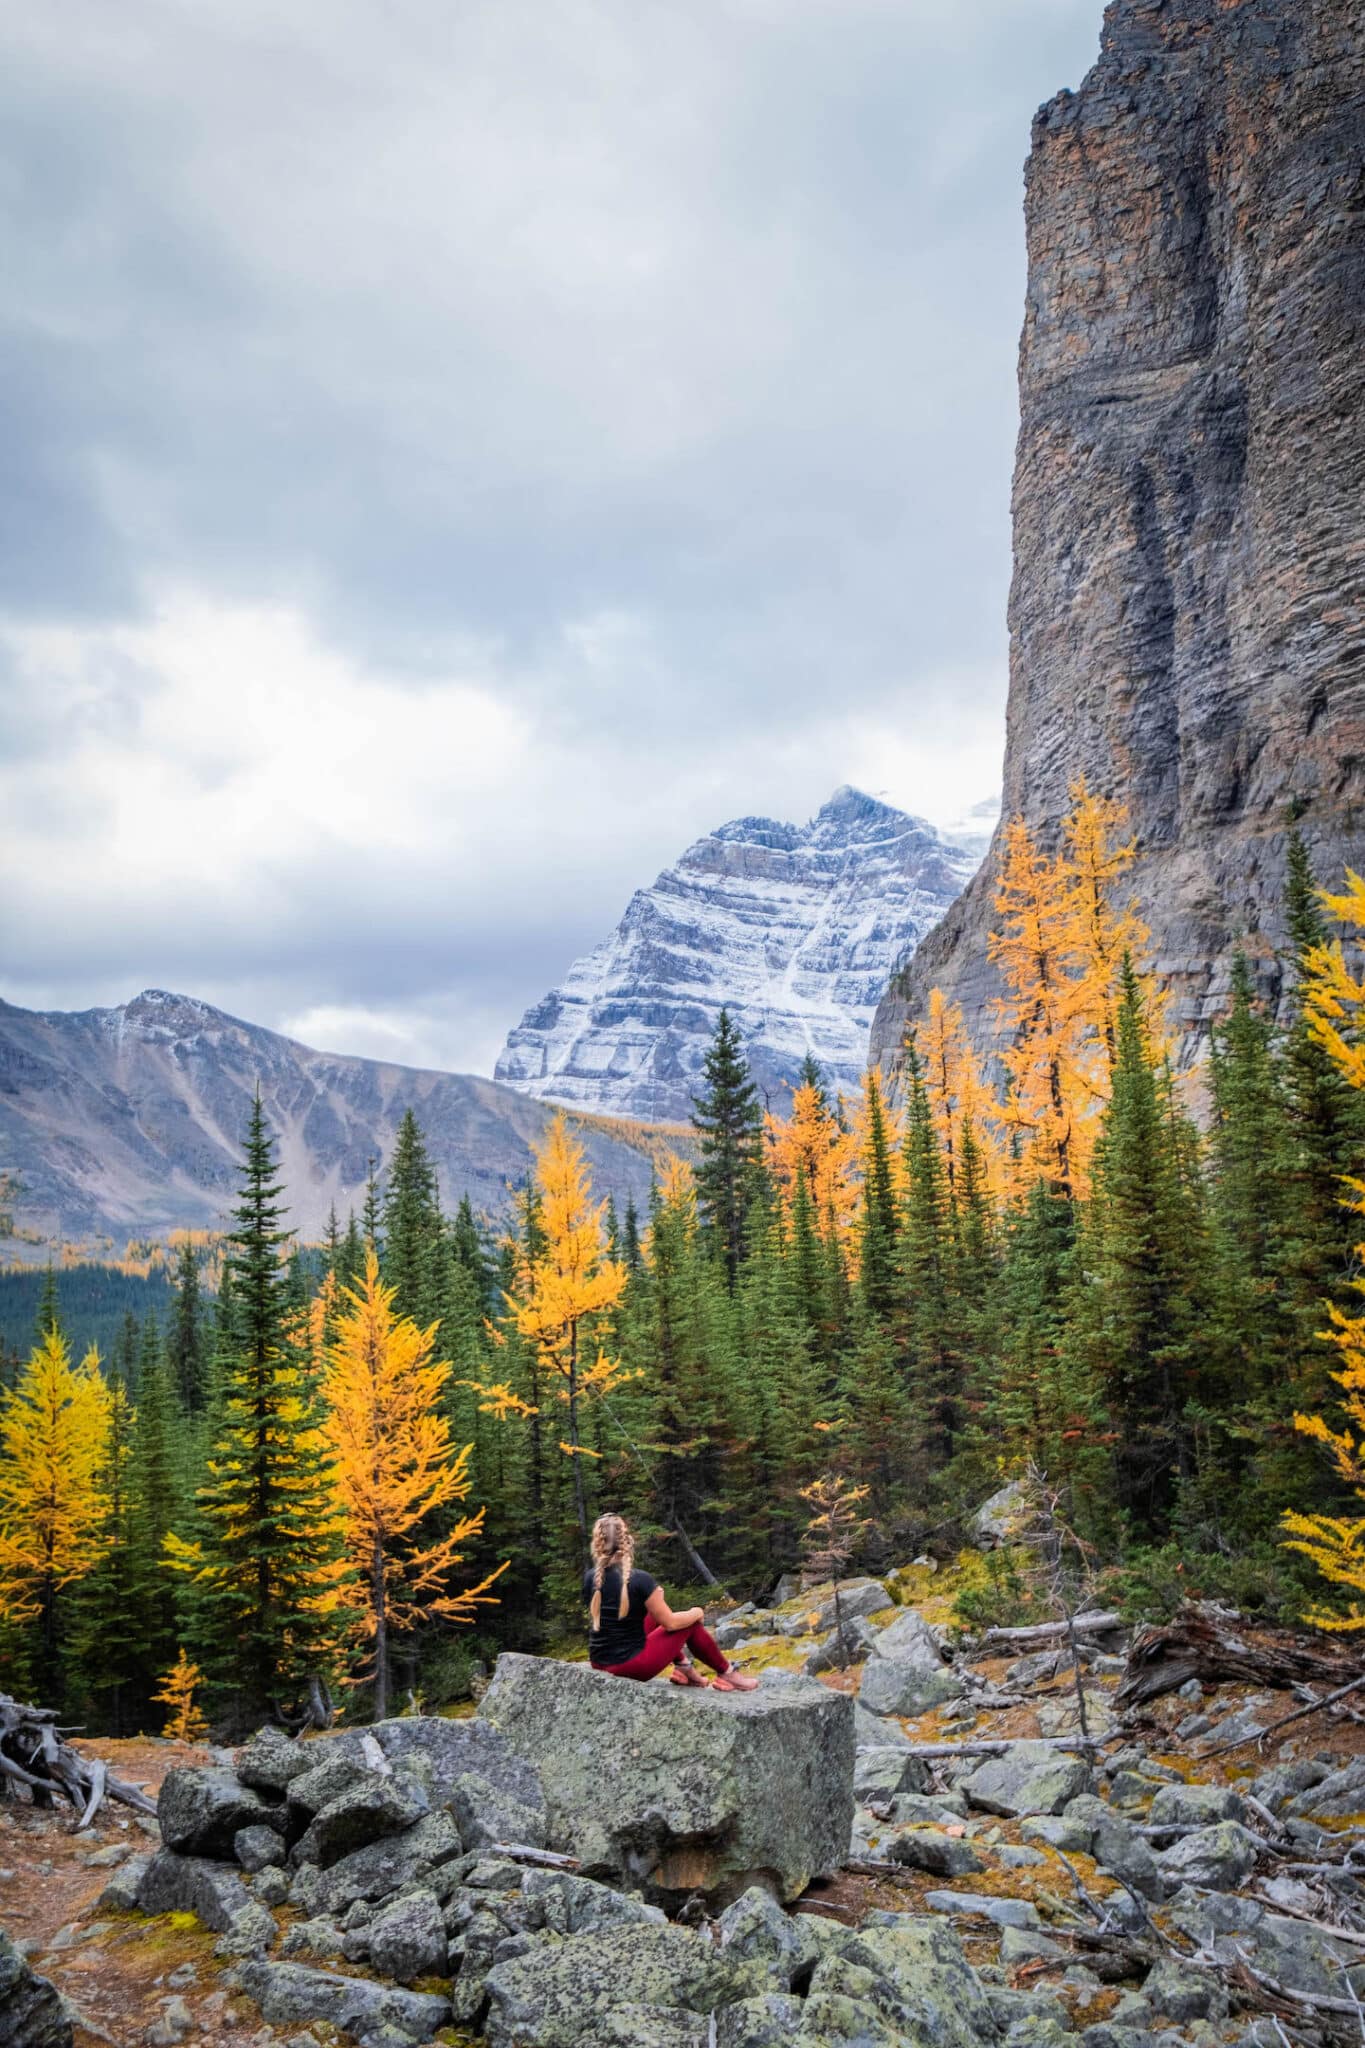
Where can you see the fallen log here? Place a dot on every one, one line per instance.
(1217, 1646)
(996, 1745)
(1042, 1633)
(33, 1754)
(540, 1859)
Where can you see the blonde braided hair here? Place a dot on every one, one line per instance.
(613, 1543)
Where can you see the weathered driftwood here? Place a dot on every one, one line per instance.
(997, 1745)
(1316, 1706)
(1217, 1647)
(1043, 1633)
(32, 1753)
(542, 1859)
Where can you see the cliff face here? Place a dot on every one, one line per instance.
(1187, 615)
(794, 928)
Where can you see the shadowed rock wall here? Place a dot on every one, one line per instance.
(1187, 615)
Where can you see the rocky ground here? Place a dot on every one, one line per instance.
(1186, 1878)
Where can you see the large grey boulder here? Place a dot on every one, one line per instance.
(257, 1848)
(754, 1929)
(381, 1868)
(1232, 1925)
(32, 2012)
(487, 1813)
(1195, 1806)
(767, 2022)
(670, 1790)
(900, 1980)
(563, 1903)
(271, 1761)
(858, 1598)
(870, 1731)
(1028, 1778)
(290, 1993)
(905, 1672)
(452, 1751)
(841, 1647)
(193, 1884)
(407, 1938)
(1004, 1518)
(1339, 1794)
(557, 1994)
(1116, 1844)
(368, 1811)
(882, 1773)
(1218, 1858)
(200, 1809)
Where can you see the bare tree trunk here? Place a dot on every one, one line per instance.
(579, 1498)
(379, 1596)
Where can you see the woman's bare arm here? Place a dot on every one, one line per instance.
(658, 1606)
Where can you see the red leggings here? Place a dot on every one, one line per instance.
(665, 1646)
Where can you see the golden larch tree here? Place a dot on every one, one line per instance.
(1334, 1003)
(54, 1430)
(184, 1722)
(1104, 929)
(815, 1138)
(395, 1469)
(959, 1095)
(1052, 1082)
(565, 1287)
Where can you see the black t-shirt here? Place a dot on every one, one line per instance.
(620, 1637)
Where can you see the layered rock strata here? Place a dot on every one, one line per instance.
(1187, 616)
(795, 929)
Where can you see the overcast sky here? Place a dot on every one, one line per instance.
(456, 452)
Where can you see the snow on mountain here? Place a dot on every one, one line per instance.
(797, 929)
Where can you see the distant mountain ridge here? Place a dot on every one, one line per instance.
(796, 929)
(128, 1121)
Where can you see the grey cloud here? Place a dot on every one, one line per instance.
(466, 326)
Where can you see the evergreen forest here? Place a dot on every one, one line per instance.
(352, 1473)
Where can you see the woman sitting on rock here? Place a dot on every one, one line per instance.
(635, 1633)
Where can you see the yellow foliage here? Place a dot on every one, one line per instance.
(569, 1280)
(1334, 1002)
(958, 1092)
(1333, 993)
(815, 1140)
(394, 1462)
(53, 1437)
(184, 1722)
(1060, 948)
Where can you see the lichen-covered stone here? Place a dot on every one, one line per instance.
(1029, 1778)
(32, 2013)
(256, 1848)
(1189, 587)
(554, 1996)
(381, 1868)
(200, 1808)
(290, 1992)
(930, 1849)
(271, 1761)
(1195, 1806)
(673, 1790)
(1218, 1858)
(193, 1884)
(406, 1939)
(452, 1750)
(564, 1903)
(368, 1811)
(754, 1929)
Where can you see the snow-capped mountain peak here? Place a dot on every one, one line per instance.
(797, 929)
